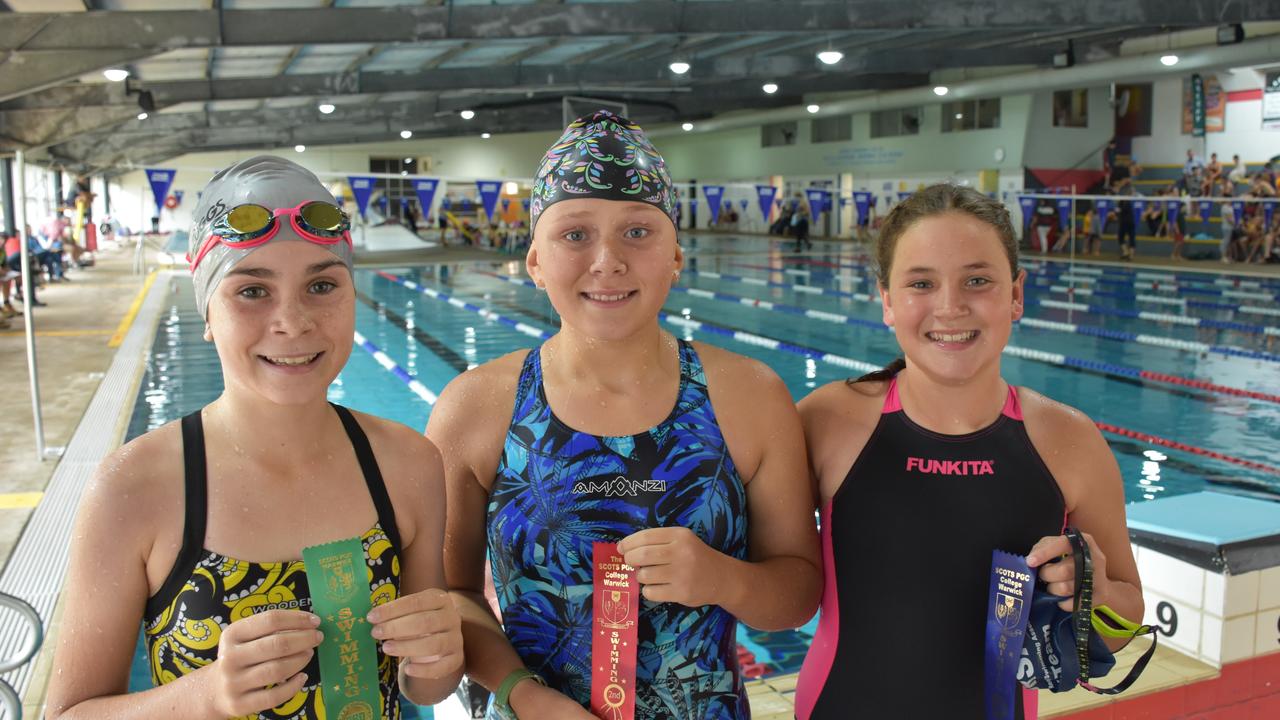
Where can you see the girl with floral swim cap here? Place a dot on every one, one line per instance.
(194, 530)
(616, 431)
(926, 467)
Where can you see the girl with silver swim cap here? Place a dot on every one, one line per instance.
(616, 431)
(195, 529)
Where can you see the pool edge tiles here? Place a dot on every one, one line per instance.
(1210, 568)
(37, 567)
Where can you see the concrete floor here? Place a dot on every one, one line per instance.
(72, 335)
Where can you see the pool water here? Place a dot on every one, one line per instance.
(457, 316)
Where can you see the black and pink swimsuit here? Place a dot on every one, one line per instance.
(907, 544)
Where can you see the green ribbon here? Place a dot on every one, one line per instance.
(337, 576)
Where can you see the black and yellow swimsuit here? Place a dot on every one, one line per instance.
(206, 591)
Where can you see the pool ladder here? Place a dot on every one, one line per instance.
(11, 703)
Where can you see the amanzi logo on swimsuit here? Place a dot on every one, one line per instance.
(618, 486)
(951, 467)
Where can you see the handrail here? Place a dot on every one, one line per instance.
(1076, 164)
(8, 697)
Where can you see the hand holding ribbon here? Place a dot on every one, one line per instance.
(260, 661)
(674, 565)
(424, 630)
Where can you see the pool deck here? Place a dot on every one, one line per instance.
(74, 335)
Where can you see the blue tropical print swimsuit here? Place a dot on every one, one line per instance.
(559, 490)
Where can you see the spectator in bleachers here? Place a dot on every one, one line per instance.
(1256, 239)
(1239, 173)
(1227, 223)
(1262, 185)
(1178, 228)
(1212, 172)
(1191, 170)
(1153, 215)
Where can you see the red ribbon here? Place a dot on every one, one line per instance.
(616, 611)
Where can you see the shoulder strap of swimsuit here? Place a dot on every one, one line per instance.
(892, 403)
(195, 485)
(372, 475)
(530, 382)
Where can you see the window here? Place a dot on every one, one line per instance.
(397, 188)
(832, 129)
(1071, 108)
(775, 134)
(989, 113)
(890, 123)
(971, 115)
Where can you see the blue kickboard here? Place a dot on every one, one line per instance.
(1210, 517)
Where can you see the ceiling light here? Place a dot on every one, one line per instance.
(679, 67)
(406, 134)
(940, 90)
(408, 161)
(115, 74)
(404, 172)
(511, 188)
(770, 88)
(325, 108)
(1168, 60)
(299, 148)
(485, 136)
(467, 114)
(830, 57)
(959, 115)
(686, 126)
(813, 108)
(142, 116)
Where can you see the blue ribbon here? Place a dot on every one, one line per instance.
(1008, 609)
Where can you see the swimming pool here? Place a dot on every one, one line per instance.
(1187, 382)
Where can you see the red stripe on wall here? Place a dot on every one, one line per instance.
(1242, 95)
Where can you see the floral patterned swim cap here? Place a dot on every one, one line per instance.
(602, 156)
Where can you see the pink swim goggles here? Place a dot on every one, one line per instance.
(250, 225)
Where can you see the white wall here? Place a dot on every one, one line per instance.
(1048, 146)
(1243, 135)
(736, 155)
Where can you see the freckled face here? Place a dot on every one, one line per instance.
(607, 265)
(282, 321)
(951, 298)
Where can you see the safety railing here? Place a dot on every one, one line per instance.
(35, 636)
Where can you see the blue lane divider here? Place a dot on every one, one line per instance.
(1085, 267)
(390, 365)
(1038, 287)
(1157, 317)
(1014, 350)
(1130, 289)
(1060, 304)
(1049, 279)
(760, 340)
(1153, 340)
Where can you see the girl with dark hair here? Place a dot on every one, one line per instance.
(925, 467)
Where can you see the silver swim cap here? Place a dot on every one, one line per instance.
(265, 180)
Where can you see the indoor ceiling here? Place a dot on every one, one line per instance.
(236, 74)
